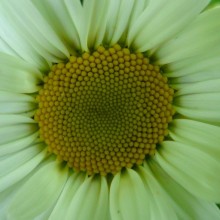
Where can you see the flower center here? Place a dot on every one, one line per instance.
(104, 111)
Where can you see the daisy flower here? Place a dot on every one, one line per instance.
(109, 110)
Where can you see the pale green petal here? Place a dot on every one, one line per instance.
(5, 48)
(14, 119)
(6, 197)
(93, 196)
(72, 185)
(128, 198)
(138, 8)
(14, 103)
(186, 206)
(18, 63)
(192, 168)
(17, 75)
(15, 97)
(201, 36)
(118, 20)
(56, 14)
(94, 15)
(160, 21)
(10, 35)
(207, 86)
(203, 101)
(11, 162)
(18, 144)
(203, 107)
(14, 132)
(203, 136)
(199, 114)
(32, 26)
(191, 64)
(75, 11)
(21, 171)
(17, 107)
(160, 203)
(39, 192)
(210, 72)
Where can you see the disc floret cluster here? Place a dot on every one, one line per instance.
(104, 110)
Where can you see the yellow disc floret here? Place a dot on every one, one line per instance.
(104, 111)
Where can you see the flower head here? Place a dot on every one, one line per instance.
(109, 109)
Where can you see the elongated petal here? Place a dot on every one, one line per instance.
(190, 64)
(69, 191)
(56, 14)
(203, 107)
(33, 34)
(17, 45)
(186, 205)
(39, 192)
(95, 190)
(18, 144)
(118, 20)
(14, 103)
(18, 76)
(160, 204)
(5, 48)
(161, 21)
(192, 168)
(21, 172)
(94, 23)
(15, 132)
(207, 86)
(7, 119)
(11, 162)
(203, 136)
(128, 197)
(202, 35)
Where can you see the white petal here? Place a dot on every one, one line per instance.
(39, 192)
(75, 12)
(199, 114)
(160, 203)
(14, 119)
(119, 14)
(93, 196)
(203, 107)
(72, 185)
(10, 35)
(211, 73)
(201, 135)
(161, 21)
(206, 101)
(14, 103)
(138, 8)
(18, 144)
(21, 171)
(192, 168)
(18, 76)
(202, 35)
(41, 35)
(186, 206)
(94, 16)
(56, 14)
(128, 197)
(11, 162)
(5, 48)
(206, 86)
(6, 197)
(14, 132)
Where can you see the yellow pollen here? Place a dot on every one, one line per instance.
(104, 111)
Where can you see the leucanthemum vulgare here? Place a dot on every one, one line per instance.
(109, 110)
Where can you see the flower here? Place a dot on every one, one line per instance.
(109, 109)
